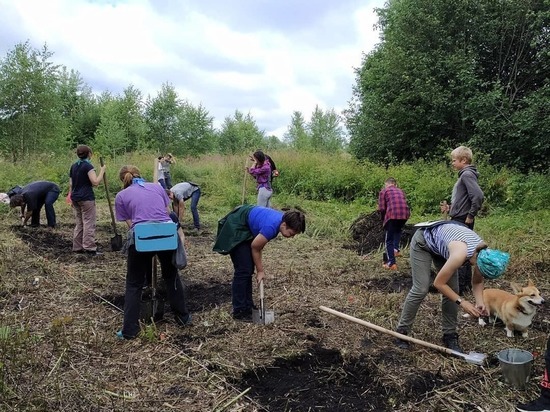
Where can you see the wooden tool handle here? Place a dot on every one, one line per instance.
(113, 222)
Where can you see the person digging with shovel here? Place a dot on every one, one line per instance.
(141, 202)
(243, 234)
(448, 245)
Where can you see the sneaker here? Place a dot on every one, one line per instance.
(538, 405)
(188, 321)
(400, 343)
(122, 337)
(389, 267)
(397, 253)
(450, 340)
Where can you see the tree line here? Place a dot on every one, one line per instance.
(46, 107)
(446, 73)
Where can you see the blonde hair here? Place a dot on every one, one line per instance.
(127, 173)
(463, 153)
(171, 158)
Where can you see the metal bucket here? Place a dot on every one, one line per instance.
(516, 366)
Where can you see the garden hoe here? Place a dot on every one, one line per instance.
(262, 316)
(472, 357)
(116, 240)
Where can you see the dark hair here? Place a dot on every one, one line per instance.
(16, 200)
(391, 181)
(83, 151)
(295, 220)
(260, 156)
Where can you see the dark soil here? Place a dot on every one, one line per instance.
(368, 234)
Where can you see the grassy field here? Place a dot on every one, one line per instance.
(59, 311)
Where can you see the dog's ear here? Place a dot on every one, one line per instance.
(515, 287)
(530, 283)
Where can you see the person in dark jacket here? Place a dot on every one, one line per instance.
(466, 201)
(467, 196)
(542, 403)
(243, 234)
(31, 199)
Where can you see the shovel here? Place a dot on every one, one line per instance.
(116, 240)
(472, 357)
(152, 307)
(262, 316)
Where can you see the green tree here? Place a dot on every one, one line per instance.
(196, 133)
(239, 133)
(161, 117)
(326, 130)
(297, 134)
(450, 73)
(30, 107)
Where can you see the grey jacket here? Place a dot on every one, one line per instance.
(467, 196)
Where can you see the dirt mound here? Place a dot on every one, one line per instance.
(368, 234)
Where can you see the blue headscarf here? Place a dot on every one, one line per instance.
(139, 181)
(492, 263)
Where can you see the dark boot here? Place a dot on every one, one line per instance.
(450, 340)
(400, 343)
(541, 404)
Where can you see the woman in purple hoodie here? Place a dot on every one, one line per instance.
(261, 170)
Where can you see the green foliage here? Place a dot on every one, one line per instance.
(448, 74)
(239, 133)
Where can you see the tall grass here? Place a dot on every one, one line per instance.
(332, 189)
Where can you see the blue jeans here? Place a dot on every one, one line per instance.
(139, 267)
(393, 230)
(47, 202)
(241, 288)
(421, 263)
(194, 211)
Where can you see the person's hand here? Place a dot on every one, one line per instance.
(482, 309)
(260, 276)
(103, 168)
(468, 307)
(469, 220)
(444, 206)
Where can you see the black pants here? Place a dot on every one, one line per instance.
(139, 264)
(465, 271)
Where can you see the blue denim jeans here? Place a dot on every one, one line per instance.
(421, 263)
(194, 211)
(47, 202)
(393, 230)
(241, 288)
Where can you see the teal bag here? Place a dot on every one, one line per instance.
(155, 236)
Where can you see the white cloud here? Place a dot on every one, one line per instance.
(232, 55)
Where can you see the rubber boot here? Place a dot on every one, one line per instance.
(400, 343)
(450, 340)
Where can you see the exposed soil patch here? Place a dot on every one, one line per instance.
(395, 284)
(368, 234)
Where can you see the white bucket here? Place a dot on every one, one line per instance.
(516, 366)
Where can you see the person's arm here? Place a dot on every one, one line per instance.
(257, 246)
(475, 194)
(129, 223)
(95, 179)
(457, 256)
(25, 215)
(477, 290)
(181, 210)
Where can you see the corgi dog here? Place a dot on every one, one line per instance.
(515, 310)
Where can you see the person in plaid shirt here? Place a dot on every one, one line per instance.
(394, 210)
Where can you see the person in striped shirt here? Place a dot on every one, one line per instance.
(394, 211)
(448, 245)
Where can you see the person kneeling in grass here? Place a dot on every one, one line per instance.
(243, 234)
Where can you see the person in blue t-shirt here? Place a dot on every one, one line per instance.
(243, 234)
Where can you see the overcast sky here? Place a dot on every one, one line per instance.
(268, 58)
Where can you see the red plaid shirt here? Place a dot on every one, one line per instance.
(392, 203)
